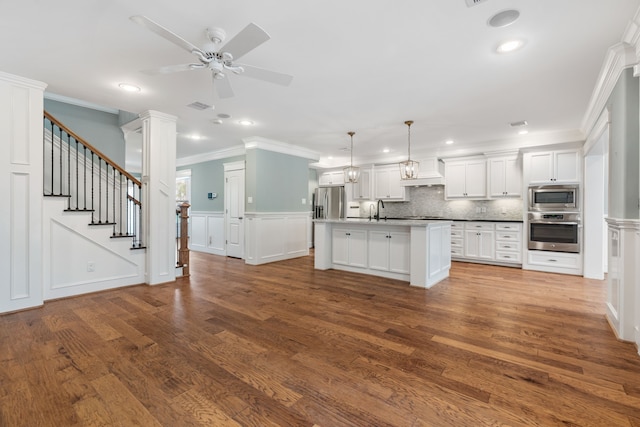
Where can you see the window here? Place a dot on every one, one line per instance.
(183, 186)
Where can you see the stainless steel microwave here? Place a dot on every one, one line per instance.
(547, 198)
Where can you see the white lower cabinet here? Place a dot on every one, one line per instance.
(487, 242)
(389, 251)
(479, 239)
(349, 247)
(509, 242)
(555, 260)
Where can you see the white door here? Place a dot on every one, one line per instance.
(234, 212)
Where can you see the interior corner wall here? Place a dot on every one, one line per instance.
(624, 171)
(276, 182)
(99, 128)
(208, 177)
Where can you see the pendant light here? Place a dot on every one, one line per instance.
(351, 173)
(409, 168)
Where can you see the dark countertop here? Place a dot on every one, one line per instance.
(433, 218)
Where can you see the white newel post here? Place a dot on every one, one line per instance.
(159, 195)
(21, 130)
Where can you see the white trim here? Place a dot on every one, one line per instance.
(214, 155)
(21, 81)
(619, 57)
(79, 103)
(183, 173)
(234, 166)
(280, 147)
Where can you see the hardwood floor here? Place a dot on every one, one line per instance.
(285, 345)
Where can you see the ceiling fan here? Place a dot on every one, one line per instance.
(216, 58)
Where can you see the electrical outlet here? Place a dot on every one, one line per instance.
(91, 266)
(304, 201)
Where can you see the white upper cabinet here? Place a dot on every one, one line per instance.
(505, 177)
(361, 190)
(387, 184)
(466, 179)
(331, 178)
(553, 167)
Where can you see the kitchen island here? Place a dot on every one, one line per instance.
(416, 251)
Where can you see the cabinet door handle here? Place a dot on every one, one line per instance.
(552, 260)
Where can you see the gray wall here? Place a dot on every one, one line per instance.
(208, 177)
(624, 174)
(98, 128)
(276, 182)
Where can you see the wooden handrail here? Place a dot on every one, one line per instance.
(92, 148)
(134, 200)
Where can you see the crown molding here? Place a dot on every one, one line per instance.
(79, 103)
(619, 57)
(213, 155)
(279, 147)
(22, 81)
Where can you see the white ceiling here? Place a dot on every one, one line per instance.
(361, 65)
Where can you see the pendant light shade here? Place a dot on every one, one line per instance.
(351, 173)
(409, 168)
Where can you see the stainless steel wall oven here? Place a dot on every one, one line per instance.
(554, 231)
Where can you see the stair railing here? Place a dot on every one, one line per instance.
(91, 182)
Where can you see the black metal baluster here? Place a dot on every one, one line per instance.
(99, 190)
(68, 169)
(106, 192)
(77, 186)
(92, 190)
(84, 176)
(121, 219)
(60, 184)
(114, 201)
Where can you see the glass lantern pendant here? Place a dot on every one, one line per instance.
(351, 173)
(409, 168)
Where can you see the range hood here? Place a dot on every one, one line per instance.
(431, 173)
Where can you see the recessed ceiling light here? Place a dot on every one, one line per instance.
(128, 87)
(449, 142)
(385, 150)
(245, 122)
(523, 132)
(195, 137)
(504, 18)
(509, 46)
(216, 121)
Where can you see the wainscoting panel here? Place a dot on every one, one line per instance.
(207, 232)
(276, 236)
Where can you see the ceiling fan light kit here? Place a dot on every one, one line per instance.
(351, 173)
(409, 168)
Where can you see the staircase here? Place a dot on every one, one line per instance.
(92, 217)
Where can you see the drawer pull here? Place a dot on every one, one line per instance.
(552, 260)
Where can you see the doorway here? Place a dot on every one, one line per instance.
(234, 208)
(596, 181)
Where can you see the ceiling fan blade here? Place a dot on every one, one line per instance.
(172, 69)
(164, 33)
(266, 75)
(223, 87)
(245, 41)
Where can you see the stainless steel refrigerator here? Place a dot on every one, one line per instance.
(328, 203)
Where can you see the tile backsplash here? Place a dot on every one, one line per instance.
(429, 201)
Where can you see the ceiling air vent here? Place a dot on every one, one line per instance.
(199, 106)
(474, 2)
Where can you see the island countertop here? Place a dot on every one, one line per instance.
(383, 222)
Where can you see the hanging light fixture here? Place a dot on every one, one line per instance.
(351, 173)
(409, 168)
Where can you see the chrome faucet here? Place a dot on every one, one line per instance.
(380, 202)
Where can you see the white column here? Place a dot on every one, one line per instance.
(21, 130)
(159, 195)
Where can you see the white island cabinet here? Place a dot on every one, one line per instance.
(418, 252)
